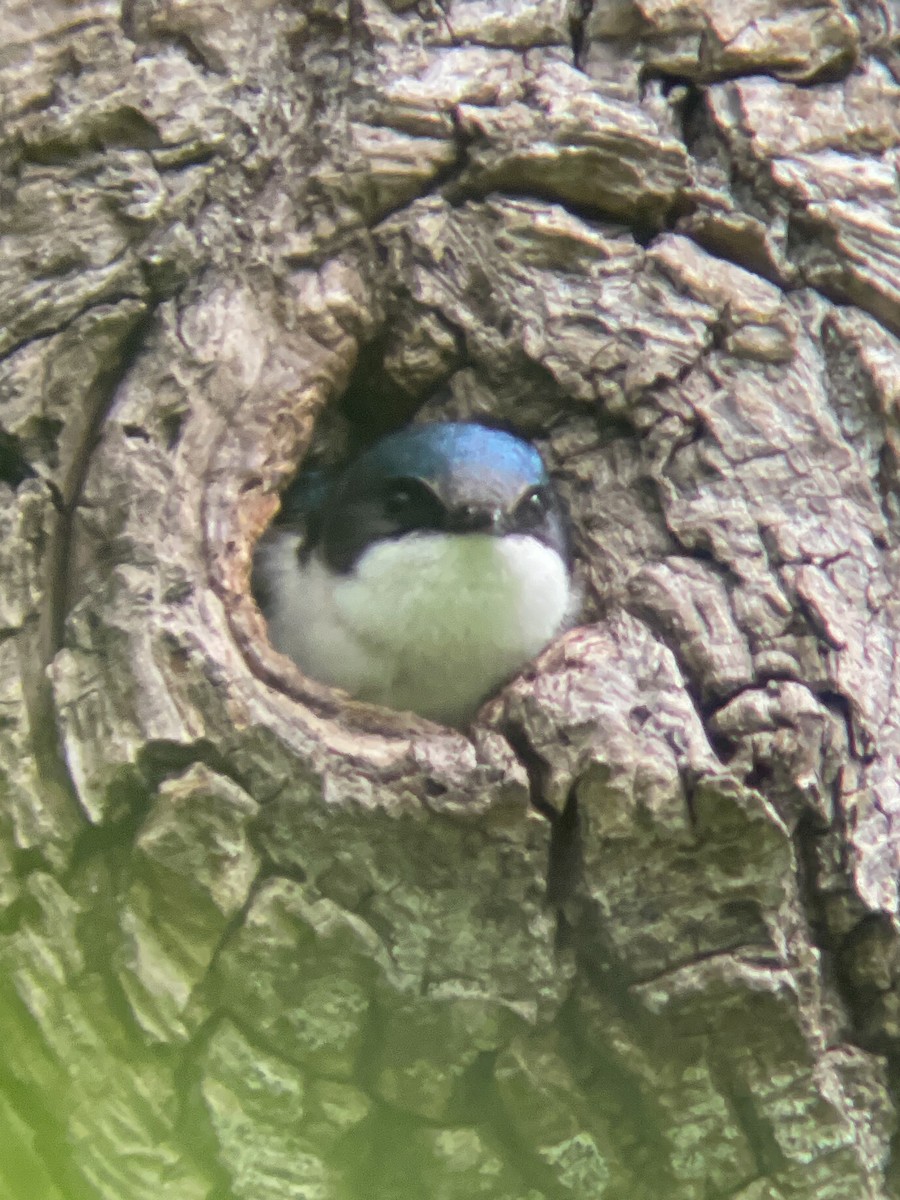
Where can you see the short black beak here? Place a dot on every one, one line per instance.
(473, 518)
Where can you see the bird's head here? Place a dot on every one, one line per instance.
(454, 478)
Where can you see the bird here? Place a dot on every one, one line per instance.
(423, 575)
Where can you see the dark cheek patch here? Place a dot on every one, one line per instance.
(349, 531)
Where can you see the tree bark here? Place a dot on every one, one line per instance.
(636, 933)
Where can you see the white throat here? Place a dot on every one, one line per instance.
(429, 622)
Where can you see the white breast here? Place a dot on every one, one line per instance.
(430, 622)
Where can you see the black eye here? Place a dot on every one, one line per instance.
(532, 508)
(402, 497)
(411, 504)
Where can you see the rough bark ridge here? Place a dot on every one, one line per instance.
(637, 935)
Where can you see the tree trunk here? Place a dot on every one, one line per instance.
(636, 934)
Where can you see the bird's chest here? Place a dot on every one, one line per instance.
(431, 623)
(453, 616)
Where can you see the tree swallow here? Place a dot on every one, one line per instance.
(423, 575)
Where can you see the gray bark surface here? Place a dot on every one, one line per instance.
(635, 935)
